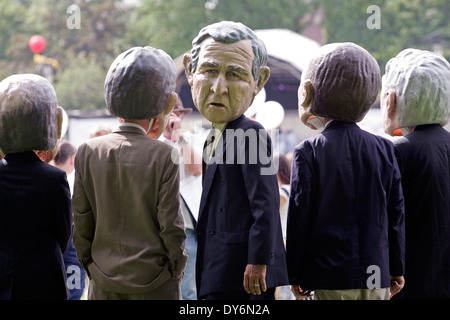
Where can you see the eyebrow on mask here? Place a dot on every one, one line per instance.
(213, 65)
(209, 65)
(237, 70)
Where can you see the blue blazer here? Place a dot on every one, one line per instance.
(35, 227)
(424, 161)
(345, 226)
(239, 220)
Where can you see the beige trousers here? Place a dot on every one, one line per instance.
(169, 290)
(352, 294)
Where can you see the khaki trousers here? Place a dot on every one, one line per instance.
(169, 290)
(353, 294)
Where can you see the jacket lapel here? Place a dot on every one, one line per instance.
(209, 177)
(218, 157)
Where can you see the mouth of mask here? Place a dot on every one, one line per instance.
(316, 122)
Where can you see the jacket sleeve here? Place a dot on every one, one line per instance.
(396, 220)
(259, 176)
(299, 211)
(63, 216)
(84, 222)
(170, 219)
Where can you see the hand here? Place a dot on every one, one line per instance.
(397, 283)
(178, 277)
(173, 128)
(255, 278)
(299, 293)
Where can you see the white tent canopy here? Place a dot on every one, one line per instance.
(288, 46)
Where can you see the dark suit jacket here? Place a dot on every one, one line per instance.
(345, 211)
(35, 227)
(424, 162)
(239, 220)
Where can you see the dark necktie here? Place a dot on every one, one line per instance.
(207, 149)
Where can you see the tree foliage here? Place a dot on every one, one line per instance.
(172, 24)
(80, 86)
(83, 54)
(404, 24)
(109, 27)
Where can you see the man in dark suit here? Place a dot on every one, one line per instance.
(35, 212)
(240, 246)
(415, 100)
(345, 229)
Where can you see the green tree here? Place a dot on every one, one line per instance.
(102, 26)
(80, 85)
(403, 24)
(107, 28)
(172, 24)
(84, 54)
(14, 53)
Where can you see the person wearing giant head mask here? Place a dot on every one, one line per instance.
(415, 103)
(240, 252)
(129, 231)
(345, 216)
(35, 213)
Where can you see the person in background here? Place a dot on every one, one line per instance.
(415, 103)
(65, 159)
(100, 130)
(76, 277)
(35, 215)
(190, 190)
(284, 181)
(129, 231)
(346, 227)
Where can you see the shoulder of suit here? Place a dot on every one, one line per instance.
(388, 144)
(311, 141)
(163, 145)
(115, 138)
(401, 141)
(51, 172)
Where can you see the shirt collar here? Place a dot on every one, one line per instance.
(219, 126)
(131, 124)
(328, 123)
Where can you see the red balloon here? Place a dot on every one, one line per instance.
(37, 44)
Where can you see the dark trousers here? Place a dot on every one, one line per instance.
(76, 276)
(241, 295)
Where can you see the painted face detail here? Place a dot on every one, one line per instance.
(223, 86)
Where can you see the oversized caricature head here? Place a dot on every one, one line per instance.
(341, 82)
(415, 90)
(226, 70)
(139, 83)
(29, 116)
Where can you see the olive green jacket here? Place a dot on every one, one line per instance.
(129, 231)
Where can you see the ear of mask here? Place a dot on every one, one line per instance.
(150, 125)
(316, 122)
